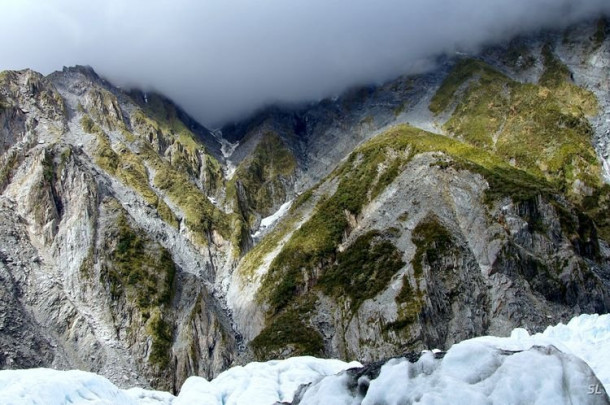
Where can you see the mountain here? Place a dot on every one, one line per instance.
(485, 209)
(140, 245)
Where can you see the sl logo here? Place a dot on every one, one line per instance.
(595, 389)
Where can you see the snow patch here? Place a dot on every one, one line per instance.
(226, 148)
(272, 219)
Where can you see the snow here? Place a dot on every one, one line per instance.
(606, 169)
(553, 367)
(226, 148)
(270, 220)
(585, 336)
(259, 383)
(545, 368)
(50, 387)
(478, 373)
(253, 384)
(141, 396)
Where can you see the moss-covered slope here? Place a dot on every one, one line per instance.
(541, 128)
(262, 181)
(321, 261)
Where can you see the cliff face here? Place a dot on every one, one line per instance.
(97, 266)
(138, 244)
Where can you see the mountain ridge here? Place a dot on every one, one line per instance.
(141, 223)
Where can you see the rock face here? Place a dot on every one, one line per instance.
(131, 237)
(99, 273)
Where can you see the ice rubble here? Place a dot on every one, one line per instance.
(553, 367)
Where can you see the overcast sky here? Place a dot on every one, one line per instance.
(221, 59)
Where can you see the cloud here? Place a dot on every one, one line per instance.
(221, 59)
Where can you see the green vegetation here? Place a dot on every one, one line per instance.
(313, 247)
(127, 167)
(406, 291)
(173, 177)
(48, 204)
(555, 72)
(597, 207)
(315, 243)
(410, 303)
(254, 258)
(65, 155)
(142, 273)
(480, 113)
(105, 110)
(387, 177)
(86, 267)
(541, 128)
(432, 240)
(600, 33)
(311, 252)
(399, 109)
(161, 333)
(503, 179)
(139, 269)
(48, 167)
(166, 116)
(88, 125)
(200, 215)
(463, 71)
(10, 160)
(525, 140)
(289, 330)
(302, 199)
(363, 270)
(161, 126)
(260, 178)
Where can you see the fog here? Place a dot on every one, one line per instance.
(222, 59)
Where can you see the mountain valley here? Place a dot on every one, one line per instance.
(470, 200)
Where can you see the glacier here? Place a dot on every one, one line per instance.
(565, 364)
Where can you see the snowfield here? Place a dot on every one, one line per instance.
(567, 364)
